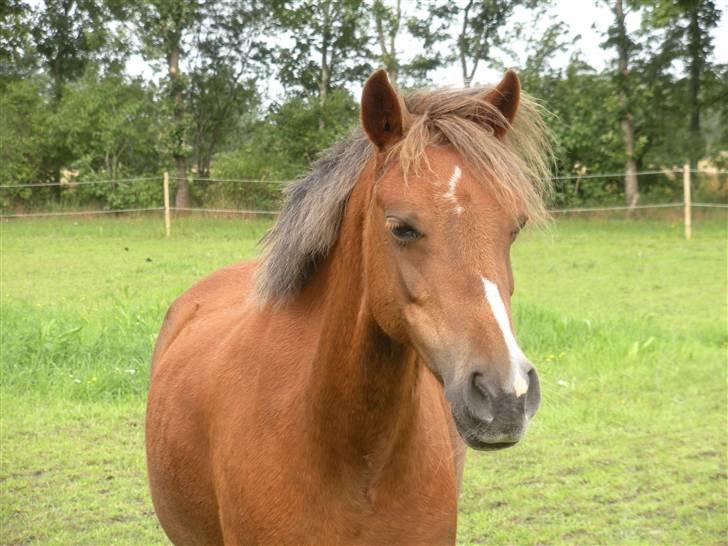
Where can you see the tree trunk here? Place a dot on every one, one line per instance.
(462, 46)
(631, 188)
(182, 197)
(696, 62)
(389, 50)
(394, 62)
(325, 75)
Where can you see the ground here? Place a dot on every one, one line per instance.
(625, 320)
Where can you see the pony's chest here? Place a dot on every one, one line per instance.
(415, 512)
(410, 501)
(407, 513)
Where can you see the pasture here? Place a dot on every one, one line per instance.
(625, 321)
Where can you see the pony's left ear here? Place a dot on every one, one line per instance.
(505, 97)
(381, 114)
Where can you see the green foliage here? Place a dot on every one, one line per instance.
(201, 107)
(715, 122)
(330, 45)
(471, 30)
(70, 110)
(17, 58)
(25, 146)
(280, 147)
(67, 34)
(106, 127)
(682, 32)
(296, 131)
(583, 111)
(109, 125)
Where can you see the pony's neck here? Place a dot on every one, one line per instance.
(363, 383)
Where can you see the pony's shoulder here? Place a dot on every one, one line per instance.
(227, 288)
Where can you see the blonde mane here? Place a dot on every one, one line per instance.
(517, 164)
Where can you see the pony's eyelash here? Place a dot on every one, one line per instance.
(403, 233)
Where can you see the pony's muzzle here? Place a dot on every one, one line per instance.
(490, 416)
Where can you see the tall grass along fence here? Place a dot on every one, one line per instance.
(684, 189)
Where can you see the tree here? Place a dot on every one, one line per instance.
(219, 42)
(17, 58)
(330, 46)
(109, 125)
(472, 30)
(66, 35)
(619, 39)
(280, 146)
(387, 21)
(390, 22)
(228, 57)
(163, 24)
(585, 121)
(686, 26)
(24, 152)
(216, 100)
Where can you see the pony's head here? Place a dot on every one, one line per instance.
(446, 179)
(449, 199)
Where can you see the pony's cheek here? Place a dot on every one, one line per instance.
(412, 283)
(427, 335)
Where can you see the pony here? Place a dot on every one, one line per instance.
(326, 392)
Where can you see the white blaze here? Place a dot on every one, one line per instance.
(492, 295)
(451, 185)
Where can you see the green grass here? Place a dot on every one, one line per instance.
(625, 320)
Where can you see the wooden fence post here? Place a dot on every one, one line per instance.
(687, 201)
(167, 217)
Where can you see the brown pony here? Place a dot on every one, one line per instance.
(325, 393)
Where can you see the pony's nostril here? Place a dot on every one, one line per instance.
(482, 399)
(480, 384)
(533, 396)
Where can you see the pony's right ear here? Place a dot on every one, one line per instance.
(505, 97)
(381, 114)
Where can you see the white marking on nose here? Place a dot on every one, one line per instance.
(520, 385)
(451, 185)
(516, 356)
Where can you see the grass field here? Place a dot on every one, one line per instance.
(625, 320)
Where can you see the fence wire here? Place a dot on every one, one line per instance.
(257, 210)
(710, 205)
(600, 209)
(78, 183)
(241, 180)
(226, 211)
(79, 212)
(73, 183)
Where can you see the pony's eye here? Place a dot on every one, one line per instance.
(401, 231)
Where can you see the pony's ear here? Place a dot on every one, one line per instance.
(381, 114)
(505, 97)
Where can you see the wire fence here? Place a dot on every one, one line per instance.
(71, 184)
(263, 197)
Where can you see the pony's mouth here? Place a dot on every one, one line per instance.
(485, 446)
(475, 435)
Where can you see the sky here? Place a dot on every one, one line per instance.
(586, 20)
